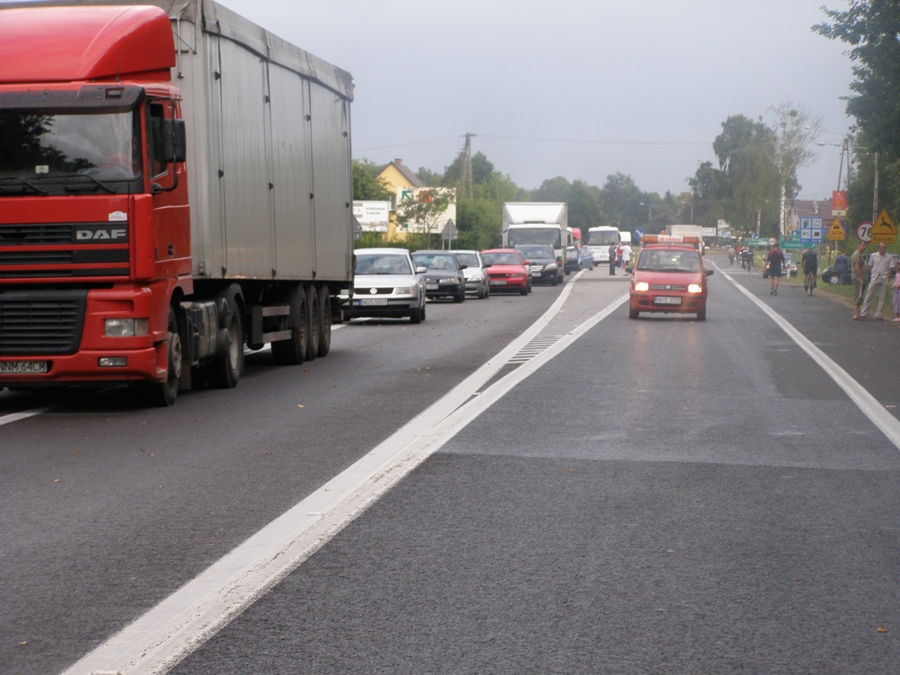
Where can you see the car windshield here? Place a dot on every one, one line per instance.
(435, 261)
(669, 261)
(603, 237)
(38, 149)
(501, 258)
(468, 259)
(536, 251)
(382, 263)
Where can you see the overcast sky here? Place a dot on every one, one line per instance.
(578, 88)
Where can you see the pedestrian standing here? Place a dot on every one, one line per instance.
(859, 275)
(612, 259)
(880, 265)
(841, 266)
(895, 299)
(626, 255)
(619, 255)
(774, 262)
(731, 255)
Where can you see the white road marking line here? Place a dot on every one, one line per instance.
(868, 404)
(181, 623)
(25, 414)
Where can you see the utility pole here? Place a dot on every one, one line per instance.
(467, 168)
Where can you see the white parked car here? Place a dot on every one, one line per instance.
(386, 284)
(477, 282)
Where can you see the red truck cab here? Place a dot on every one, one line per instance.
(94, 218)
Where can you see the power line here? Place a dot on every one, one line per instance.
(406, 145)
(591, 140)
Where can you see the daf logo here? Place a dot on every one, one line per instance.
(102, 234)
(373, 291)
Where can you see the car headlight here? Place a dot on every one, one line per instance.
(405, 290)
(642, 286)
(476, 277)
(694, 288)
(446, 281)
(125, 327)
(551, 266)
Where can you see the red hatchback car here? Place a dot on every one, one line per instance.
(508, 270)
(669, 276)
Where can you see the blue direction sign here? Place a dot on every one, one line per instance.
(639, 233)
(811, 230)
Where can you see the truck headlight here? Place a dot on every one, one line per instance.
(642, 286)
(694, 288)
(125, 328)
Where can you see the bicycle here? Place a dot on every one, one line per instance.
(809, 282)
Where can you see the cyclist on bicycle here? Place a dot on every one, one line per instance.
(747, 259)
(810, 262)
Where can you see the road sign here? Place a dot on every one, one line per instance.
(836, 231)
(838, 203)
(791, 243)
(449, 232)
(811, 230)
(639, 233)
(864, 231)
(884, 229)
(771, 241)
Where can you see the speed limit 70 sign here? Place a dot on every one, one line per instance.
(864, 231)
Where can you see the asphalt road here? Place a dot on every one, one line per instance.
(663, 496)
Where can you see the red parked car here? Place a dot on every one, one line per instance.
(508, 270)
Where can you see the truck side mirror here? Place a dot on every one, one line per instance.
(174, 141)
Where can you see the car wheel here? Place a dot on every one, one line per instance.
(833, 279)
(416, 316)
(555, 281)
(701, 315)
(523, 290)
(633, 313)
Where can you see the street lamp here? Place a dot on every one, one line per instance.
(649, 211)
(692, 209)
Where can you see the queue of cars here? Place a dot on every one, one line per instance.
(394, 283)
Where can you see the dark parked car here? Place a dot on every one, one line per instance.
(829, 276)
(542, 263)
(579, 258)
(444, 278)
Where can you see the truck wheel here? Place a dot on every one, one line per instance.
(324, 321)
(225, 371)
(292, 352)
(315, 322)
(163, 394)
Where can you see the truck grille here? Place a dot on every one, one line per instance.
(66, 250)
(41, 322)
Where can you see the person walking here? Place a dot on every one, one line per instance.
(859, 275)
(774, 263)
(841, 266)
(731, 255)
(880, 265)
(612, 259)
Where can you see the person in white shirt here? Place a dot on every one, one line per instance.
(626, 255)
(880, 264)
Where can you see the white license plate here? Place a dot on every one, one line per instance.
(535, 274)
(373, 301)
(431, 287)
(498, 282)
(667, 300)
(23, 367)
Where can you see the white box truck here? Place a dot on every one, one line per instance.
(538, 223)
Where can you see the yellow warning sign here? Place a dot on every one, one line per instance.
(884, 228)
(836, 231)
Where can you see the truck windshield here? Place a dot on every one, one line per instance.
(603, 237)
(53, 150)
(534, 235)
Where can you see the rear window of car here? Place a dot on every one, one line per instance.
(659, 260)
